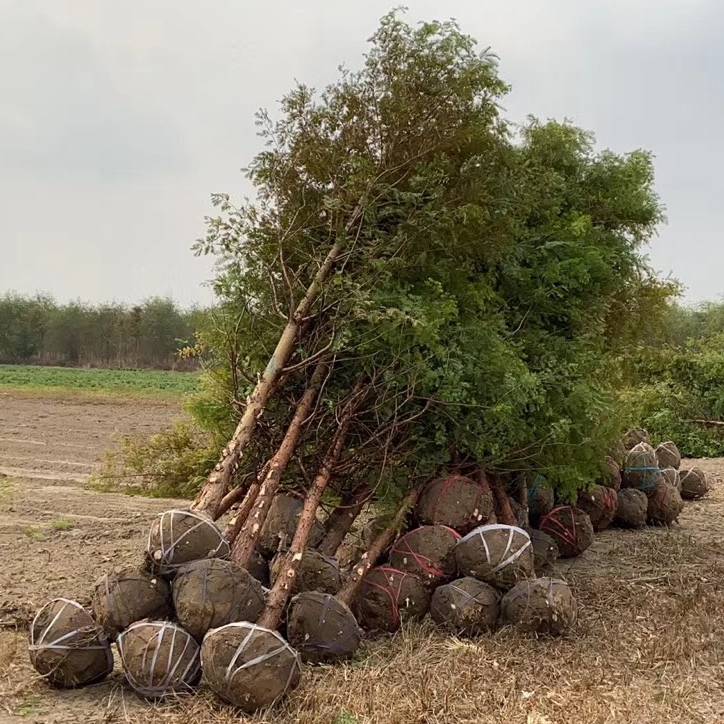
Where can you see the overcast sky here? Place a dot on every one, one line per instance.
(118, 119)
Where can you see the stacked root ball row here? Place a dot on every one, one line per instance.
(188, 614)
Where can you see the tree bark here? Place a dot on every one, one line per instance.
(341, 519)
(219, 480)
(379, 545)
(254, 509)
(282, 588)
(503, 511)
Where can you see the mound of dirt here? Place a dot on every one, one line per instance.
(249, 666)
(672, 477)
(426, 552)
(664, 504)
(668, 455)
(498, 554)
(127, 595)
(387, 597)
(316, 572)
(159, 658)
(281, 523)
(67, 647)
(540, 605)
(634, 437)
(178, 537)
(456, 502)
(541, 499)
(466, 606)
(214, 592)
(632, 508)
(694, 483)
(641, 468)
(545, 551)
(600, 503)
(570, 528)
(611, 474)
(322, 628)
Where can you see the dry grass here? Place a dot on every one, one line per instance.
(648, 647)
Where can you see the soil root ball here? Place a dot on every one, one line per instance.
(426, 552)
(664, 505)
(634, 437)
(178, 537)
(454, 501)
(668, 455)
(545, 551)
(210, 593)
(641, 468)
(258, 566)
(322, 628)
(249, 666)
(128, 595)
(600, 503)
(317, 572)
(498, 554)
(387, 597)
(159, 658)
(632, 508)
(694, 484)
(540, 605)
(281, 524)
(541, 499)
(672, 477)
(570, 528)
(466, 606)
(67, 647)
(611, 477)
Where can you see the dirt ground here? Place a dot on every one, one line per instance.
(648, 645)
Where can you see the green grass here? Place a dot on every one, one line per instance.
(63, 524)
(151, 383)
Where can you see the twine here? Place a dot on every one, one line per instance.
(503, 561)
(167, 682)
(424, 562)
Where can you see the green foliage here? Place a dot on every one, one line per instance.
(38, 330)
(153, 383)
(171, 463)
(492, 277)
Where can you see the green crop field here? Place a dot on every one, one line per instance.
(151, 383)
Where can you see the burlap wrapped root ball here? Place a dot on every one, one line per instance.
(456, 502)
(316, 572)
(545, 551)
(67, 647)
(249, 666)
(634, 437)
(210, 593)
(664, 504)
(127, 595)
(387, 597)
(498, 554)
(466, 606)
(570, 528)
(611, 474)
(159, 658)
(672, 477)
(540, 605)
(694, 483)
(632, 508)
(541, 499)
(600, 503)
(426, 552)
(668, 455)
(641, 468)
(178, 537)
(322, 628)
(281, 523)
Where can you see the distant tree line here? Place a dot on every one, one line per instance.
(38, 330)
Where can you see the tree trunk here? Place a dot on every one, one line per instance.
(254, 509)
(282, 588)
(220, 477)
(379, 545)
(503, 511)
(341, 519)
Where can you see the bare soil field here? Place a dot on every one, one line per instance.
(648, 645)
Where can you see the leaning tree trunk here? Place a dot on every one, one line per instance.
(503, 510)
(341, 519)
(379, 545)
(282, 588)
(246, 529)
(219, 480)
